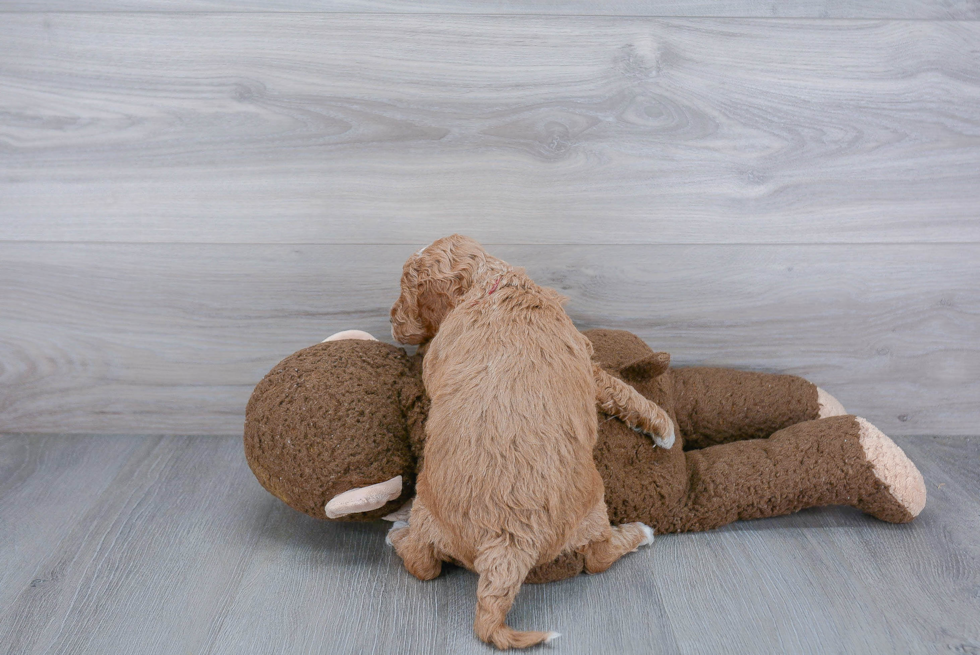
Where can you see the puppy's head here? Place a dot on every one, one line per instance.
(433, 281)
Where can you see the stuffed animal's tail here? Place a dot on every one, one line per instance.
(502, 569)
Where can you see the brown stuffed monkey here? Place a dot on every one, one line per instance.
(337, 431)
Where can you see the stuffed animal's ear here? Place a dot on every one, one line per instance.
(350, 334)
(646, 368)
(364, 499)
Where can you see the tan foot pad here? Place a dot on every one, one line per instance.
(829, 406)
(894, 469)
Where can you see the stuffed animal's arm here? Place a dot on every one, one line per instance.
(617, 398)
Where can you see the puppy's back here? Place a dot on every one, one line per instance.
(512, 424)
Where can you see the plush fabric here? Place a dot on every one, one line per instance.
(334, 416)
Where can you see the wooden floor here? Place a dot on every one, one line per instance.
(118, 544)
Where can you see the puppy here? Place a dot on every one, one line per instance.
(508, 480)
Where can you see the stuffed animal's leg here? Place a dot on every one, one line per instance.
(719, 405)
(619, 399)
(842, 460)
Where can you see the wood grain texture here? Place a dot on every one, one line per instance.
(893, 9)
(163, 546)
(356, 128)
(172, 338)
(41, 497)
(183, 551)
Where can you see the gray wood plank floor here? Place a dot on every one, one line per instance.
(168, 545)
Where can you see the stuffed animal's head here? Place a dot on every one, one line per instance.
(330, 430)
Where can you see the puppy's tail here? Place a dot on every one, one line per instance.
(502, 569)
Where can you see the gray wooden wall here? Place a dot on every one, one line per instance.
(191, 190)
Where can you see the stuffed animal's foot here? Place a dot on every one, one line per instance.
(829, 406)
(904, 489)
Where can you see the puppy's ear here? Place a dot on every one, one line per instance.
(438, 292)
(435, 300)
(646, 368)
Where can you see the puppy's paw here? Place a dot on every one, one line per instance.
(396, 532)
(402, 513)
(665, 441)
(632, 531)
(647, 535)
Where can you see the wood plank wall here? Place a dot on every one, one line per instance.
(192, 190)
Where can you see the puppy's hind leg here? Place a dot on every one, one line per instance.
(607, 543)
(417, 551)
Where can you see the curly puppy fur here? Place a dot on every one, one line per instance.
(509, 481)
